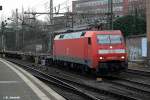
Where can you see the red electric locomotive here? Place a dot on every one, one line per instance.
(102, 51)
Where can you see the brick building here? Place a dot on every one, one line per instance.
(102, 8)
(137, 7)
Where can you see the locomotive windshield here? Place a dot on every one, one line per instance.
(109, 39)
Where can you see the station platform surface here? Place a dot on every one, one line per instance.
(18, 84)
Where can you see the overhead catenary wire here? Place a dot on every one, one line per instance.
(65, 4)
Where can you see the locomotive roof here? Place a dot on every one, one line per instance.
(105, 31)
(84, 34)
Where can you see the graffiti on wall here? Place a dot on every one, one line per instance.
(134, 53)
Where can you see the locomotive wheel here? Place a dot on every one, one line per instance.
(85, 69)
(124, 66)
(102, 70)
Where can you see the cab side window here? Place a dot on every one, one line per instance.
(89, 41)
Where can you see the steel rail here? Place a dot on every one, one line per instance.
(54, 80)
(99, 90)
(138, 72)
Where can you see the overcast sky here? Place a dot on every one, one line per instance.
(38, 5)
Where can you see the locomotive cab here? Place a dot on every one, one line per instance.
(111, 52)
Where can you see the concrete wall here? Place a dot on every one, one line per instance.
(134, 47)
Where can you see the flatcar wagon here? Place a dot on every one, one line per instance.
(102, 51)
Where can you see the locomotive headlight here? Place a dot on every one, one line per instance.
(122, 57)
(100, 58)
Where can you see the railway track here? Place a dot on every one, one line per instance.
(130, 85)
(90, 92)
(87, 91)
(136, 76)
(138, 72)
(57, 82)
